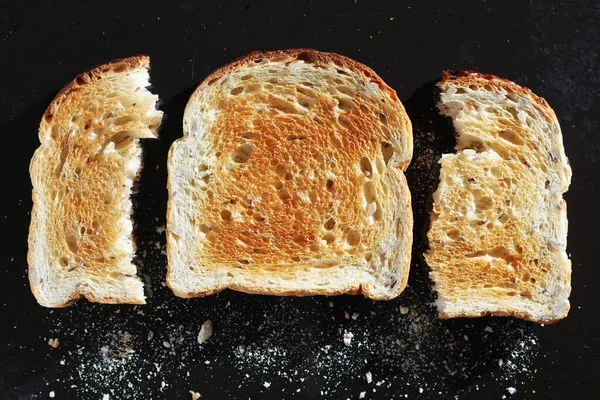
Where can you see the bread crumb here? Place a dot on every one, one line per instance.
(362, 395)
(348, 338)
(420, 390)
(105, 397)
(205, 331)
(488, 329)
(267, 384)
(331, 304)
(512, 390)
(355, 316)
(51, 394)
(369, 377)
(346, 315)
(195, 396)
(167, 344)
(53, 343)
(403, 310)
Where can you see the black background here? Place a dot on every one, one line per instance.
(551, 47)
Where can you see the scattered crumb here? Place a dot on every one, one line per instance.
(362, 395)
(53, 343)
(105, 397)
(369, 377)
(195, 396)
(488, 329)
(51, 394)
(512, 390)
(348, 338)
(331, 304)
(403, 310)
(355, 316)
(267, 384)
(205, 331)
(346, 315)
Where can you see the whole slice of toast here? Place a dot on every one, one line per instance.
(80, 238)
(289, 181)
(499, 224)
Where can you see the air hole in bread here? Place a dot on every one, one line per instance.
(378, 214)
(212, 81)
(454, 234)
(242, 154)
(246, 77)
(488, 87)
(329, 184)
(353, 237)
(300, 239)
(63, 261)
(461, 90)
(329, 237)
(282, 105)
(496, 172)
(289, 176)
(524, 161)
(473, 87)
(123, 120)
(313, 196)
(205, 228)
(382, 118)
(330, 224)
(236, 91)
(278, 185)
(226, 215)
(387, 151)
(345, 104)
(366, 167)
(244, 261)
(78, 171)
(511, 136)
(54, 132)
(295, 137)
(122, 139)
(258, 217)
(347, 91)
(284, 194)
(306, 102)
(280, 169)
(253, 87)
(72, 243)
(345, 122)
(369, 192)
(485, 203)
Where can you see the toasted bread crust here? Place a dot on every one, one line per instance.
(226, 129)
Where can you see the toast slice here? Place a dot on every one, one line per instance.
(289, 181)
(499, 224)
(80, 237)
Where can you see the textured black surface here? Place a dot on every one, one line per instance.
(294, 345)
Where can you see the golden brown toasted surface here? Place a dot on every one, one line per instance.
(80, 234)
(498, 230)
(295, 163)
